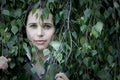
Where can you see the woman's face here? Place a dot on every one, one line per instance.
(39, 32)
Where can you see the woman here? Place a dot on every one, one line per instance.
(39, 32)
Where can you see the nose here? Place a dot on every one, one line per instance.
(40, 32)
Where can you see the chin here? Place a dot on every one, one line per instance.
(41, 47)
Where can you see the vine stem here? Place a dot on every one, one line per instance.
(68, 26)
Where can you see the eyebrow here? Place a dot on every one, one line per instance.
(43, 24)
(48, 24)
(32, 23)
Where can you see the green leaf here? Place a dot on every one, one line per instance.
(14, 29)
(34, 50)
(94, 33)
(57, 18)
(74, 34)
(98, 27)
(34, 69)
(78, 56)
(18, 13)
(33, 11)
(87, 12)
(6, 12)
(22, 0)
(86, 61)
(65, 14)
(46, 52)
(51, 0)
(116, 5)
(19, 22)
(94, 52)
(7, 36)
(3, 1)
(55, 45)
(36, 5)
(110, 59)
(118, 77)
(12, 65)
(106, 14)
(59, 57)
(10, 43)
(82, 40)
(45, 13)
(103, 74)
(21, 59)
(83, 28)
(25, 46)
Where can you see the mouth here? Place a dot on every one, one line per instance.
(40, 42)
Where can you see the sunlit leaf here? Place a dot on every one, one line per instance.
(98, 27)
(55, 45)
(46, 52)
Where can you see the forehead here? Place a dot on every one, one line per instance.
(36, 17)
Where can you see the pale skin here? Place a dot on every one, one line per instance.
(40, 33)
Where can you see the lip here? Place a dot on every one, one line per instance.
(40, 42)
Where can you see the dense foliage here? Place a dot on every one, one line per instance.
(89, 31)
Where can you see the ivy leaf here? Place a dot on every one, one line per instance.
(94, 33)
(34, 50)
(18, 13)
(103, 74)
(74, 34)
(22, 0)
(57, 18)
(25, 46)
(14, 29)
(7, 36)
(51, 0)
(110, 59)
(6, 12)
(86, 61)
(10, 44)
(12, 65)
(3, 1)
(46, 52)
(21, 59)
(59, 57)
(45, 13)
(33, 11)
(98, 27)
(83, 28)
(65, 14)
(94, 52)
(106, 14)
(55, 45)
(87, 12)
(116, 5)
(118, 77)
(34, 69)
(82, 40)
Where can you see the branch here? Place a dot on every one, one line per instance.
(68, 26)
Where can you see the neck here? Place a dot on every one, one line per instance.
(40, 55)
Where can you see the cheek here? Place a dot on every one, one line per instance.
(29, 35)
(51, 35)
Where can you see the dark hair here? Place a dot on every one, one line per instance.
(32, 6)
